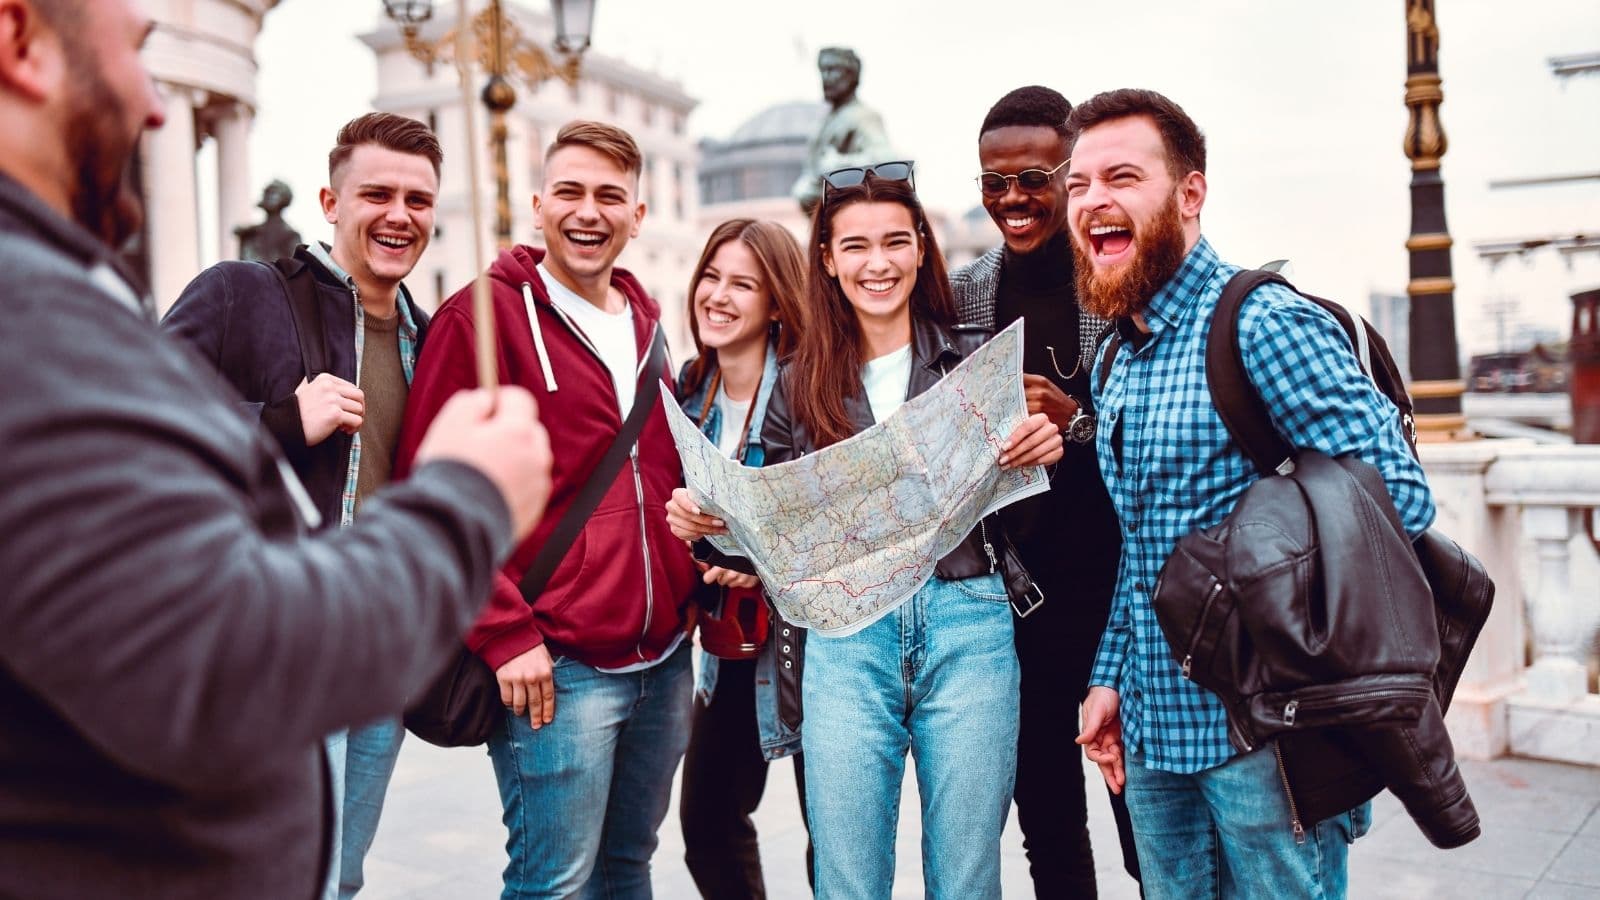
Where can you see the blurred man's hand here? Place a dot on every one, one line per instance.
(498, 434)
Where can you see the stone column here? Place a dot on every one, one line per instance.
(1457, 473)
(171, 202)
(232, 131)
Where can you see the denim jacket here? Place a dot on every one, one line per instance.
(777, 738)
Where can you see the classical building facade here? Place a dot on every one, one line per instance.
(201, 55)
(653, 109)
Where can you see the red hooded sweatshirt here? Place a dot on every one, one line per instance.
(620, 594)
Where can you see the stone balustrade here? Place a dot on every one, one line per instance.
(1526, 510)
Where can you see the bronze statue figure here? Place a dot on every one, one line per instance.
(272, 238)
(852, 134)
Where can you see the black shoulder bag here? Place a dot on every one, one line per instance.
(462, 707)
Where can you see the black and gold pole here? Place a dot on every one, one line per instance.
(499, 47)
(1436, 383)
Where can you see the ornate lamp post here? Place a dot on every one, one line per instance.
(497, 45)
(1435, 370)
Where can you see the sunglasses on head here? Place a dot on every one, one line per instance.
(1030, 181)
(899, 170)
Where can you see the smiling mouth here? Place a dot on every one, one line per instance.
(879, 286)
(717, 317)
(585, 239)
(393, 242)
(1110, 240)
(1018, 223)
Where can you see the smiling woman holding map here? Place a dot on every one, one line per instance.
(935, 670)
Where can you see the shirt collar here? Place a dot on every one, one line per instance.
(323, 254)
(1180, 292)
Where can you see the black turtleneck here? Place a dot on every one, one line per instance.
(1068, 537)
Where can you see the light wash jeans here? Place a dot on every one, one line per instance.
(584, 796)
(938, 677)
(1227, 832)
(361, 761)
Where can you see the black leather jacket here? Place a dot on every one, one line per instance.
(1320, 629)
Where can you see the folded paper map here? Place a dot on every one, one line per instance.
(842, 536)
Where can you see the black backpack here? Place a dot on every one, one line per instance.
(1462, 589)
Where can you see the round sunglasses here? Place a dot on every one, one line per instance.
(1030, 181)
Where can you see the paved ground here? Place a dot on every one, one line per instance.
(441, 837)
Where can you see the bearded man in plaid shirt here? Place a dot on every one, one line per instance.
(1208, 821)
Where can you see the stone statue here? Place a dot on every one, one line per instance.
(272, 238)
(851, 135)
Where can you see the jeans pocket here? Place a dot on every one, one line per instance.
(982, 587)
(1359, 822)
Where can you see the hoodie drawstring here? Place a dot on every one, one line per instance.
(538, 339)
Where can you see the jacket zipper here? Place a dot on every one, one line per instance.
(644, 542)
(988, 548)
(1199, 627)
(633, 455)
(1293, 706)
(1294, 812)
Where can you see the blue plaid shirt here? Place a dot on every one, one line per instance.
(1178, 471)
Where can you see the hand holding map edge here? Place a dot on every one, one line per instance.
(842, 536)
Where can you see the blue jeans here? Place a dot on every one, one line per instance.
(1227, 832)
(584, 796)
(938, 677)
(361, 762)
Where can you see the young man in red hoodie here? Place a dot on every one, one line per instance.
(595, 673)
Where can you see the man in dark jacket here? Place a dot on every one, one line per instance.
(173, 645)
(595, 673)
(1068, 537)
(339, 425)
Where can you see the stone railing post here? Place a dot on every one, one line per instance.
(1558, 674)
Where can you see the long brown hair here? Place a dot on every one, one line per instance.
(827, 363)
(783, 275)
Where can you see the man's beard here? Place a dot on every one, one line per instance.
(103, 200)
(1127, 289)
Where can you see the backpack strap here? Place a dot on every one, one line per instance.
(300, 292)
(561, 538)
(1113, 342)
(1238, 404)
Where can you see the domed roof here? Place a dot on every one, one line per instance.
(784, 122)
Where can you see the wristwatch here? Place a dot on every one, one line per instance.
(1081, 429)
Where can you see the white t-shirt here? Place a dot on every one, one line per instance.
(731, 437)
(887, 379)
(611, 334)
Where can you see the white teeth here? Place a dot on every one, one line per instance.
(389, 241)
(1106, 229)
(877, 287)
(586, 237)
(1020, 223)
(718, 318)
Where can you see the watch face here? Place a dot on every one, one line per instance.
(1081, 429)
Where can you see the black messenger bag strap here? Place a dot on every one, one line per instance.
(605, 472)
(1238, 403)
(300, 290)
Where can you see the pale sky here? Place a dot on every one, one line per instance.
(1302, 106)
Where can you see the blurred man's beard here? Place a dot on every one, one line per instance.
(104, 200)
(1127, 289)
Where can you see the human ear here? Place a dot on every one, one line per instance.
(330, 205)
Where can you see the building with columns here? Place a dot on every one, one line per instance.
(202, 58)
(653, 109)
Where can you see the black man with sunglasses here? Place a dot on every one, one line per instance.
(1068, 537)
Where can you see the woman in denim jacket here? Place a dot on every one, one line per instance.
(749, 280)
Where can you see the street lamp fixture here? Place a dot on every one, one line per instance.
(499, 47)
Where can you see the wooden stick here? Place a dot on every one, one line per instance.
(482, 305)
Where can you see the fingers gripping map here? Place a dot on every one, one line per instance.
(842, 536)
